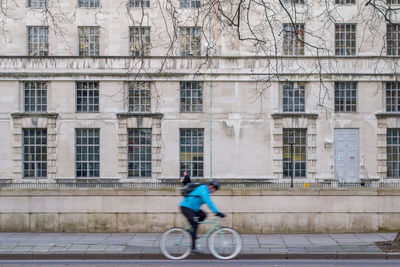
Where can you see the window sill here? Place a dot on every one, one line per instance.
(294, 115)
(388, 115)
(19, 115)
(139, 114)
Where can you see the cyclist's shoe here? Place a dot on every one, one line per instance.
(196, 249)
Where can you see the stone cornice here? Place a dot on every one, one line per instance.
(201, 57)
(135, 115)
(294, 115)
(217, 68)
(18, 115)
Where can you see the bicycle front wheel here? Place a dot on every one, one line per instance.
(225, 243)
(176, 243)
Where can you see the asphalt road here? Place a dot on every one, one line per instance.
(198, 263)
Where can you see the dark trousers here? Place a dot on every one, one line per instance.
(193, 218)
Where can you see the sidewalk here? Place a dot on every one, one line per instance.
(145, 246)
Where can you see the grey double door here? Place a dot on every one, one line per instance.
(346, 155)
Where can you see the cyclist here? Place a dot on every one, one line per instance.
(190, 207)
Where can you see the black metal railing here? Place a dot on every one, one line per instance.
(175, 183)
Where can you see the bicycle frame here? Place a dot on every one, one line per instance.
(215, 226)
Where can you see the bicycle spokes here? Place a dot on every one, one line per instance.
(176, 243)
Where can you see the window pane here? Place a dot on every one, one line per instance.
(191, 96)
(345, 96)
(191, 151)
(38, 41)
(293, 39)
(139, 3)
(345, 39)
(139, 152)
(139, 97)
(392, 96)
(294, 147)
(190, 41)
(35, 96)
(37, 3)
(89, 41)
(393, 152)
(34, 149)
(87, 157)
(87, 96)
(139, 38)
(88, 3)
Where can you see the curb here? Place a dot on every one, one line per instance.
(148, 256)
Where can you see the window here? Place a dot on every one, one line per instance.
(393, 152)
(139, 97)
(293, 97)
(37, 3)
(38, 41)
(345, 39)
(139, 41)
(345, 96)
(191, 96)
(293, 39)
(34, 153)
(87, 157)
(139, 3)
(190, 41)
(393, 97)
(89, 41)
(191, 151)
(393, 2)
(139, 152)
(345, 2)
(393, 39)
(296, 139)
(35, 96)
(293, 2)
(189, 3)
(87, 97)
(88, 3)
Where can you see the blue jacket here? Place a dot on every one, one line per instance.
(198, 197)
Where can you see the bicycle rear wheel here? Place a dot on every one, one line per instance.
(176, 243)
(225, 243)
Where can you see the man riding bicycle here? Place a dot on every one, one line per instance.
(190, 207)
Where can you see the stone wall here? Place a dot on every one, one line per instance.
(248, 211)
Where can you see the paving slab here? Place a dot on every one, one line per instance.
(42, 248)
(139, 245)
(115, 248)
(58, 248)
(78, 248)
(96, 248)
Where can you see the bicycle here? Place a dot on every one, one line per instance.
(224, 243)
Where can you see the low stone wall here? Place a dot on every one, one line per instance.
(248, 211)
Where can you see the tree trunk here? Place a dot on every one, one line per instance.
(397, 238)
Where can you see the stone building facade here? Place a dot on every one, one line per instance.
(123, 90)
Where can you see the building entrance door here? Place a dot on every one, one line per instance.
(346, 155)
